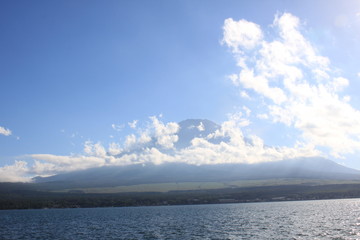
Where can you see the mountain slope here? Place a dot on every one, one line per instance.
(311, 168)
(306, 168)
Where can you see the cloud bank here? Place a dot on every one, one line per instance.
(282, 74)
(155, 145)
(295, 85)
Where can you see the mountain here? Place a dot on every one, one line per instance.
(194, 128)
(110, 176)
(302, 168)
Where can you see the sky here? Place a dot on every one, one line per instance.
(82, 82)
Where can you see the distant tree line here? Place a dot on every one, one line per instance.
(25, 197)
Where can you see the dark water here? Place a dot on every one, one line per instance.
(327, 219)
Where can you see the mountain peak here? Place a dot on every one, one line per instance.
(194, 128)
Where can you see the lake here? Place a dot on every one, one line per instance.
(322, 219)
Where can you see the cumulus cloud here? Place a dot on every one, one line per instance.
(298, 85)
(5, 131)
(130, 141)
(114, 149)
(96, 150)
(133, 124)
(241, 34)
(259, 84)
(165, 133)
(18, 172)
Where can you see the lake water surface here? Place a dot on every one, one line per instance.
(325, 219)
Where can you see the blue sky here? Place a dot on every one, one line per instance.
(75, 73)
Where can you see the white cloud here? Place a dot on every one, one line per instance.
(260, 85)
(117, 127)
(14, 173)
(304, 93)
(144, 138)
(339, 83)
(48, 164)
(245, 95)
(233, 78)
(262, 116)
(5, 131)
(241, 34)
(130, 141)
(133, 124)
(201, 127)
(165, 133)
(114, 149)
(237, 150)
(346, 98)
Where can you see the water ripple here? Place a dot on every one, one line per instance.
(327, 219)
